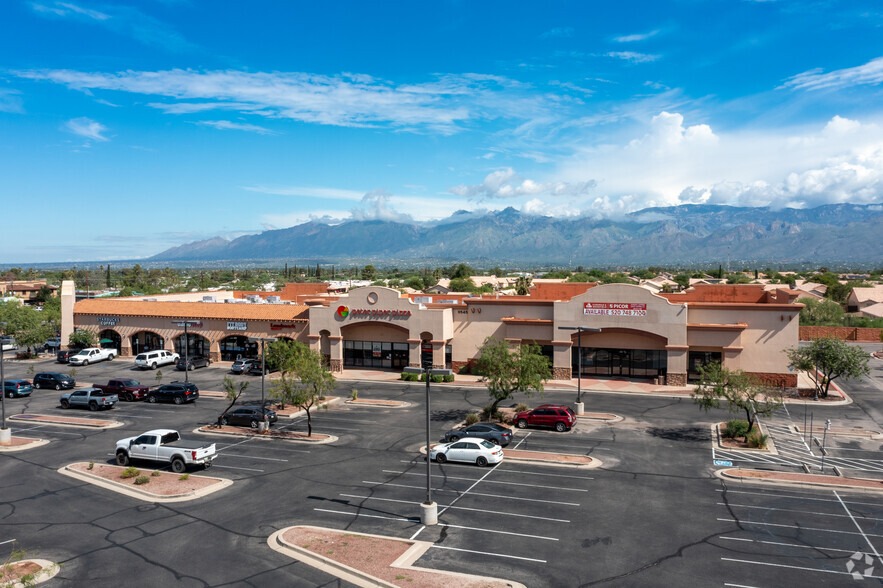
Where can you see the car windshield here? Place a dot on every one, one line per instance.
(141, 357)
(487, 445)
(130, 383)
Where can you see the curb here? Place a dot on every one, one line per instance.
(143, 494)
(588, 416)
(304, 440)
(723, 475)
(401, 403)
(363, 579)
(300, 413)
(48, 420)
(771, 446)
(33, 445)
(48, 570)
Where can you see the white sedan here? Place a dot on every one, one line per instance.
(477, 451)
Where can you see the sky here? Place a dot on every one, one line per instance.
(127, 128)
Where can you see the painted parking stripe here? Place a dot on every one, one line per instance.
(488, 481)
(774, 495)
(489, 553)
(473, 493)
(254, 457)
(407, 520)
(328, 418)
(499, 469)
(741, 522)
(738, 585)
(775, 565)
(798, 545)
(7, 541)
(522, 441)
(484, 510)
(821, 514)
(235, 468)
(868, 541)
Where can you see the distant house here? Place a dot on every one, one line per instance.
(24, 290)
(861, 299)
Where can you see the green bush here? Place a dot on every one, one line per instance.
(758, 440)
(735, 428)
(448, 378)
(472, 418)
(487, 416)
(464, 370)
(354, 394)
(521, 407)
(141, 480)
(183, 477)
(155, 474)
(91, 465)
(408, 377)
(130, 472)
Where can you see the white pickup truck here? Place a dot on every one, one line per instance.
(167, 446)
(92, 355)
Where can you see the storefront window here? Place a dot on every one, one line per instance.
(236, 347)
(375, 354)
(630, 363)
(699, 358)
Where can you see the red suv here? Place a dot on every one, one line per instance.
(547, 415)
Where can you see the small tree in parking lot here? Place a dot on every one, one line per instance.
(315, 382)
(232, 393)
(506, 372)
(827, 359)
(81, 339)
(740, 392)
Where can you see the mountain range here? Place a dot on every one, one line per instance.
(687, 234)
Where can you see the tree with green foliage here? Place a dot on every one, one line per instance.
(505, 371)
(415, 282)
(683, 281)
(581, 277)
(25, 324)
(740, 392)
(462, 285)
(368, 272)
(820, 312)
(522, 285)
(232, 392)
(315, 382)
(81, 339)
(828, 358)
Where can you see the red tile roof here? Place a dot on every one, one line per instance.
(205, 310)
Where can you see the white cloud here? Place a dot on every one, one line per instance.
(375, 205)
(69, 9)
(870, 73)
(86, 127)
(505, 183)
(226, 125)
(636, 37)
(633, 56)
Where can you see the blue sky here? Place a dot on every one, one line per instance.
(127, 128)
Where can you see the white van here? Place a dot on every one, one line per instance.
(154, 359)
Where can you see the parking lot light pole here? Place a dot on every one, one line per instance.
(429, 509)
(580, 407)
(263, 424)
(5, 434)
(186, 324)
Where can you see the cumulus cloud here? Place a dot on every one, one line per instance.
(505, 183)
(86, 127)
(870, 73)
(375, 205)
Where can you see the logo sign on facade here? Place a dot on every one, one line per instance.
(377, 313)
(343, 311)
(280, 326)
(190, 324)
(723, 462)
(237, 325)
(108, 321)
(615, 308)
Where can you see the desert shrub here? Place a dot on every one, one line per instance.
(758, 440)
(354, 394)
(130, 472)
(521, 407)
(155, 474)
(735, 428)
(464, 369)
(408, 377)
(472, 418)
(487, 416)
(91, 465)
(448, 378)
(436, 379)
(141, 480)
(183, 477)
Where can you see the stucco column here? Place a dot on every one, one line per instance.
(125, 345)
(68, 297)
(438, 355)
(414, 351)
(315, 342)
(214, 351)
(677, 365)
(335, 344)
(562, 365)
(732, 357)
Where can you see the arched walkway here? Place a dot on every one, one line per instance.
(197, 345)
(235, 347)
(110, 339)
(620, 353)
(146, 341)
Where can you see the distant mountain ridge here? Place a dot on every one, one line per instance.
(684, 234)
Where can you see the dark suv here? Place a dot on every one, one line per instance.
(248, 416)
(53, 380)
(192, 363)
(179, 393)
(548, 415)
(64, 356)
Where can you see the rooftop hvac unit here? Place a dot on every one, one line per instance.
(274, 299)
(208, 299)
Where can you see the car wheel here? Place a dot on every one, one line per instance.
(58, 386)
(37, 385)
(85, 362)
(522, 423)
(93, 406)
(129, 397)
(253, 424)
(153, 366)
(178, 465)
(481, 461)
(110, 358)
(207, 464)
(455, 438)
(151, 398)
(441, 458)
(178, 400)
(560, 427)
(223, 421)
(122, 458)
(65, 404)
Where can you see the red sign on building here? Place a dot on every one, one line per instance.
(615, 308)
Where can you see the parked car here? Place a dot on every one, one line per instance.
(91, 398)
(53, 380)
(64, 356)
(177, 393)
(52, 344)
(240, 366)
(165, 445)
(93, 355)
(248, 416)
(191, 363)
(548, 415)
(477, 451)
(7, 343)
(154, 359)
(492, 432)
(128, 390)
(16, 388)
(255, 368)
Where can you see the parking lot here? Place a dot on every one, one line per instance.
(651, 515)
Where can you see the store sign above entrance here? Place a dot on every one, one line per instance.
(237, 325)
(108, 321)
(280, 326)
(615, 308)
(191, 324)
(372, 313)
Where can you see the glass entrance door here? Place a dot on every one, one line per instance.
(620, 362)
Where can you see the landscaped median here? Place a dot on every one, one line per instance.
(371, 560)
(21, 444)
(27, 572)
(792, 479)
(66, 421)
(149, 485)
(271, 434)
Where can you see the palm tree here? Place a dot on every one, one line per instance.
(522, 285)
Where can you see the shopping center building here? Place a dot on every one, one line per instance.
(612, 330)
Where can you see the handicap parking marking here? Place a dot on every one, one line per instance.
(488, 481)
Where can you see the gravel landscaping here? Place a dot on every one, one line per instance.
(165, 484)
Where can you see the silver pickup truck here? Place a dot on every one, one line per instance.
(165, 445)
(91, 398)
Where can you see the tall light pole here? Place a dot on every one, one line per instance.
(186, 324)
(263, 340)
(5, 434)
(579, 362)
(429, 509)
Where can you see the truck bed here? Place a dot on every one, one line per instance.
(185, 444)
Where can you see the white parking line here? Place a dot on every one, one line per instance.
(489, 481)
(522, 441)
(741, 522)
(738, 585)
(821, 514)
(235, 468)
(484, 510)
(797, 497)
(859, 528)
(328, 418)
(135, 416)
(7, 541)
(253, 457)
(489, 553)
(780, 544)
(544, 474)
(407, 520)
(775, 565)
(473, 493)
